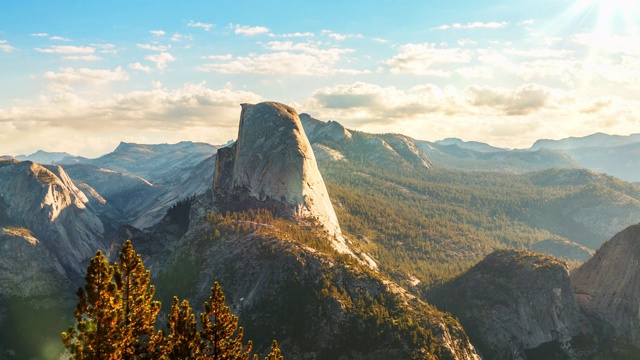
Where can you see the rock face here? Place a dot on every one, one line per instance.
(607, 287)
(272, 163)
(47, 203)
(513, 301)
(333, 309)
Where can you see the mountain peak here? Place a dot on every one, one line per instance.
(272, 165)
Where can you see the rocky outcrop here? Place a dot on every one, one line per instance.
(334, 309)
(29, 271)
(47, 203)
(272, 165)
(335, 142)
(513, 301)
(607, 287)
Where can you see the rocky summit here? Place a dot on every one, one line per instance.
(607, 287)
(272, 165)
(514, 301)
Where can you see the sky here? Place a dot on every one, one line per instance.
(81, 76)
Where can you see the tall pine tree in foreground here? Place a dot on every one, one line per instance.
(116, 315)
(219, 329)
(97, 334)
(139, 309)
(184, 340)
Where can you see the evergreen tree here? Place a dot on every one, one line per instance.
(218, 329)
(139, 310)
(97, 334)
(275, 352)
(183, 341)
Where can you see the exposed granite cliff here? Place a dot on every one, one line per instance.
(272, 165)
(607, 287)
(513, 301)
(47, 203)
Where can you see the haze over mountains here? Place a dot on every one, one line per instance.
(358, 234)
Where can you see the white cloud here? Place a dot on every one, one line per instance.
(523, 100)
(294, 35)
(250, 30)
(340, 37)
(4, 46)
(40, 34)
(287, 57)
(373, 105)
(476, 72)
(94, 127)
(67, 49)
(59, 38)
(467, 42)
(154, 47)
(157, 32)
(106, 48)
(474, 25)
(82, 57)
(177, 37)
(68, 76)
(539, 53)
(201, 25)
(219, 57)
(379, 40)
(510, 117)
(420, 59)
(161, 60)
(139, 67)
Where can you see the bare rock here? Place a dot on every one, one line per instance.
(607, 287)
(513, 301)
(273, 163)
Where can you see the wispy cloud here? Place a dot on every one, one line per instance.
(182, 113)
(161, 60)
(82, 57)
(68, 76)
(40, 34)
(59, 38)
(250, 30)
(139, 67)
(293, 35)
(380, 40)
(105, 48)
(201, 25)
(474, 25)
(157, 32)
(219, 57)
(523, 100)
(4, 46)
(154, 47)
(286, 57)
(67, 49)
(337, 36)
(421, 59)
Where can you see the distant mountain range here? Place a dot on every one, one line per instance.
(364, 229)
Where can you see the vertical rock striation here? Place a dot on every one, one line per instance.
(607, 287)
(272, 165)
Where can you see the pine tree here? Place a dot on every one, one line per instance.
(139, 310)
(183, 341)
(218, 329)
(275, 352)
(98, 315)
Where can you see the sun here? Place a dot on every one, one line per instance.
(611, 16)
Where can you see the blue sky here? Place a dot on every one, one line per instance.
(81, 76)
